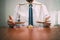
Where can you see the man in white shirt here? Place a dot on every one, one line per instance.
(40, 13)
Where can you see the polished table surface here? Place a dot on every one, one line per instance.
(24, 33)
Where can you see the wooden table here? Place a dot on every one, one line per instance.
(24, 33)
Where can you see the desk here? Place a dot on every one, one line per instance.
(24, 33)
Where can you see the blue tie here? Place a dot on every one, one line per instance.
(30, 14)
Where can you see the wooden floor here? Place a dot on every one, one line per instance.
(30, 34)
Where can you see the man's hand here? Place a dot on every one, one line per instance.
(47, 19)
(11, 21)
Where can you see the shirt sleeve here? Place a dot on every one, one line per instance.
(45, 13)
(16, 13)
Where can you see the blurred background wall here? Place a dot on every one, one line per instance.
(7, 8)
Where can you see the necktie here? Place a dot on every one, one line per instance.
(30, 14)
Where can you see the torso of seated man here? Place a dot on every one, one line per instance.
(39, 13)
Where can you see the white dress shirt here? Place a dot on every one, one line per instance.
(39, 13)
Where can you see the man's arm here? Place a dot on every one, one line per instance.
(47, 17)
